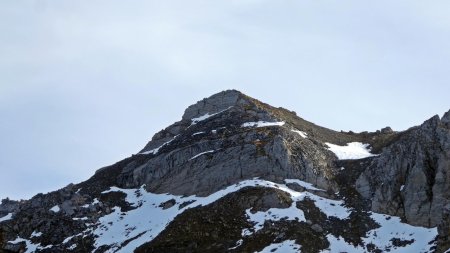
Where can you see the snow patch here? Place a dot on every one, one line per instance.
(338, 244)
(274, 214)
(36, 234)
(202, 153)
(418, 238)
(72, 247)
(70, 238)
(30, 247)
(304, 184)
(194, 134)
(93, 203)
(329, 207)
(82, 218)
(301, 133)
(262, 124)
(55, 209)
(156, 150)
(402, 187)
(392, 227)
(149, 219)
(353, 150)
(6, 217)
(283, 247)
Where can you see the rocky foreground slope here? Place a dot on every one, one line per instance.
(237, 175)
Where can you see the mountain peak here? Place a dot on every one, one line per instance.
(235, 175)
(216, 103)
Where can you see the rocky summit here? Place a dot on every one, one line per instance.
(238, 175)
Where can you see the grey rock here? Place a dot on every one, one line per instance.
(446, 119)
(235, 153)
(410, 178)
(214, 104)
(386, 130)
(8, 206)
(168, 204)
(317, 228)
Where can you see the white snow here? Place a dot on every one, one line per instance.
(339, 245)
(304, 184)
(301, 133)
(147, 221)
(144, 223)
(70, 238)
(6, 217)
(274, 214)
(262, 124)
(55, 209)
(353, 150)
(288, 246)
(194, 134)
(156, 150)
(72, 247)
(206, 116)
(202, 153)
(36, 234)
(31, 247)
(329, 207)
(238, 244)
(391, 227)
(82, 218)
(402, 187)
(93, 203)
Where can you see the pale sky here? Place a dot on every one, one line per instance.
(86, 83)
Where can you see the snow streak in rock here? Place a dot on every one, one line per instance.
(262, 124)
(202, 153)
(156, 150)
(301, 133)
(6, 217)
(206, 116)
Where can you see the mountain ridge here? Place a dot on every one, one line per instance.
(230, 139)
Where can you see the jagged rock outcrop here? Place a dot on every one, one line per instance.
(196, 181)
(411, 177)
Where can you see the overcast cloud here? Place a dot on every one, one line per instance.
(84, 84)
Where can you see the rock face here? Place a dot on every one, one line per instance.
(235, 174)
(410, 178)
(220, 151)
